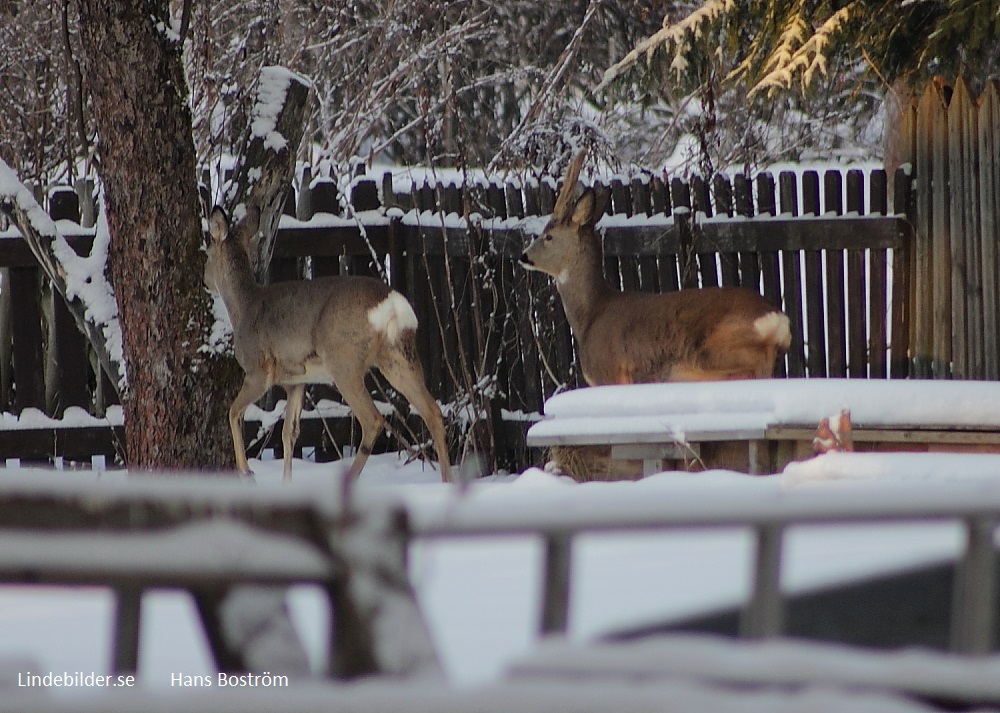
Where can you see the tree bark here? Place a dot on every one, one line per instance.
(174, 416)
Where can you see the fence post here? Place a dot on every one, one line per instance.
(556, 583)
(763, 615)
(974, 590)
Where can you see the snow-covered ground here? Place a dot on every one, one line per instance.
(480, 595)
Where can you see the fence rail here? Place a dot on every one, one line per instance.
(559, 519)
(494, 340)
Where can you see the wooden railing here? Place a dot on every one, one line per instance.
(558, 519)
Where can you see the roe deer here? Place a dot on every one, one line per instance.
(326, 330)
(636, 337)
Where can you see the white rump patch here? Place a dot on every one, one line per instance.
(392, 316)
(773, 326)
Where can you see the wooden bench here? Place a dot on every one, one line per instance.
(207, 536)
(761, 426)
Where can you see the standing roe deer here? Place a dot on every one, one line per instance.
(326, 330)
(636, 337)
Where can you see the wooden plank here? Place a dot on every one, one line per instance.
(26, 331)
(922, 312)
(622, 268)
(901, 355)
(493, 330)
(857, 304)
(768, 255)
(989, 185)
(680, 198)
(707, 257)
(557, 576)
(878, 286)
(14, 250)
(749, 260)
(901, 434)
(969, 167)
(428, 335)
(642, 204)
(666, 265)
(72, 364)
(941, 265)
(763, 615)
(729, 264)
(792, 293)
(329, 241)
(535, 289)
(974, 591)
(658, 239)
(836, 301)
(956, 229)
(813, 279)
(125, 647)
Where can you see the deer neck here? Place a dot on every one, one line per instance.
(584, 290)
(237, 284)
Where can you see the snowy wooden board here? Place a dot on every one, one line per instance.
(775, 418)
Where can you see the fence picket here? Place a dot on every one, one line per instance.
(956, 153)
(813, 277)
(792, 294)
(856, 307)
(989, 183)
(749, 262)
(877, 286)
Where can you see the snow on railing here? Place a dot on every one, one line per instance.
(558, 516)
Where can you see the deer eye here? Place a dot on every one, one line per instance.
(548, 238)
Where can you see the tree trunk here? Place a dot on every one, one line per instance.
(177, 397)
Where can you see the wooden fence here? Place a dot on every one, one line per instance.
(828, 249)
(952, 142)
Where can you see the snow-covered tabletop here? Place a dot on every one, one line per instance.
(731, 410)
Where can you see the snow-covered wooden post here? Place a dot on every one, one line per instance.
(266, 165)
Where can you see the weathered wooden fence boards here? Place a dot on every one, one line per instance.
(494, 339)
(950, 140)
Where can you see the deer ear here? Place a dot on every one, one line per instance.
(589, 207)
(218, 224)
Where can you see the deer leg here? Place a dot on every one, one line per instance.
(408, 379)
(351, 385)
(254, 386)
(290, 430)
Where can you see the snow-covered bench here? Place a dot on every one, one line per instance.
(759, 426)
(213, 537)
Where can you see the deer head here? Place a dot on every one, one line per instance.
(568, 239)
(228, 244)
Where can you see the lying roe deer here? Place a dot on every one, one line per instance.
(636, 337)
(326, 330)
